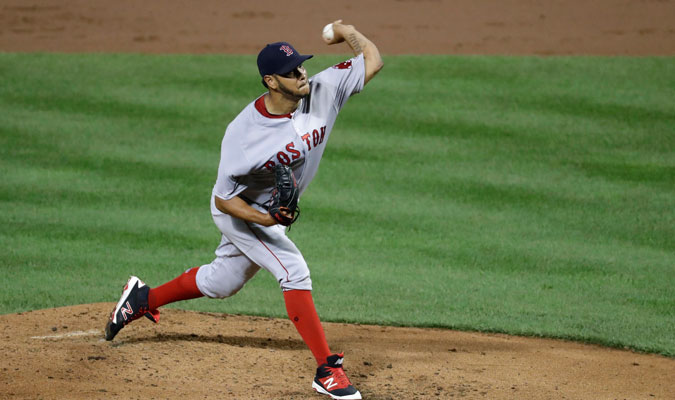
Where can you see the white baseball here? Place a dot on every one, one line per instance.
(328, 33)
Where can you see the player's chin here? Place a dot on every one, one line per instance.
(303, 90)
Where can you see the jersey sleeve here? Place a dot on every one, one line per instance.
(230, 171)
(347, 78)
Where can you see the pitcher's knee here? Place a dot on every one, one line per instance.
(221, 279)
(297, 282)
(219, 290)
(225, 293)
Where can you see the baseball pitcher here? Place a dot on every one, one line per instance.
(269, 154)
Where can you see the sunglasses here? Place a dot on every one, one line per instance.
(295, 73)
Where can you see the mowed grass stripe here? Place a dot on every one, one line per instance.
(524, 195)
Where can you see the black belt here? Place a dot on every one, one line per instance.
(251, 202)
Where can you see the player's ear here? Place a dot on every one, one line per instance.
(270, 82)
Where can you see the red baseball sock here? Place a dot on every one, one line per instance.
(301, 310)
(182, 288)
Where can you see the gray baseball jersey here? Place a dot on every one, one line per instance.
(255, 140)
(254, 143)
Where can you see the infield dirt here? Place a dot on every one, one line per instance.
(60, 353)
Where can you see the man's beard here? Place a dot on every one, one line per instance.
(288, 92)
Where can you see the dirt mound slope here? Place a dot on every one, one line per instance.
(61, 353)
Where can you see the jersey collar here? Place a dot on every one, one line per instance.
(260, 106)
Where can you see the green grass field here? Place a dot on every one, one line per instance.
(526, 195)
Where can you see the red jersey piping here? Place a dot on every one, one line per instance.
(288, 279)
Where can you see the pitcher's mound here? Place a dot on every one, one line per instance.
(61, 353)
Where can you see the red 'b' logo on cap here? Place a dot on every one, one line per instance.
(287, 50)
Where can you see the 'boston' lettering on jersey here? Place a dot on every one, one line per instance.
(291, 154)
(316, 138)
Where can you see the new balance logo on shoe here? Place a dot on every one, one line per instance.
(132, 305)
(127, 310)
(329, 384)
(331, 380)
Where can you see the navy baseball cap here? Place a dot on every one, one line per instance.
(279, 58)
